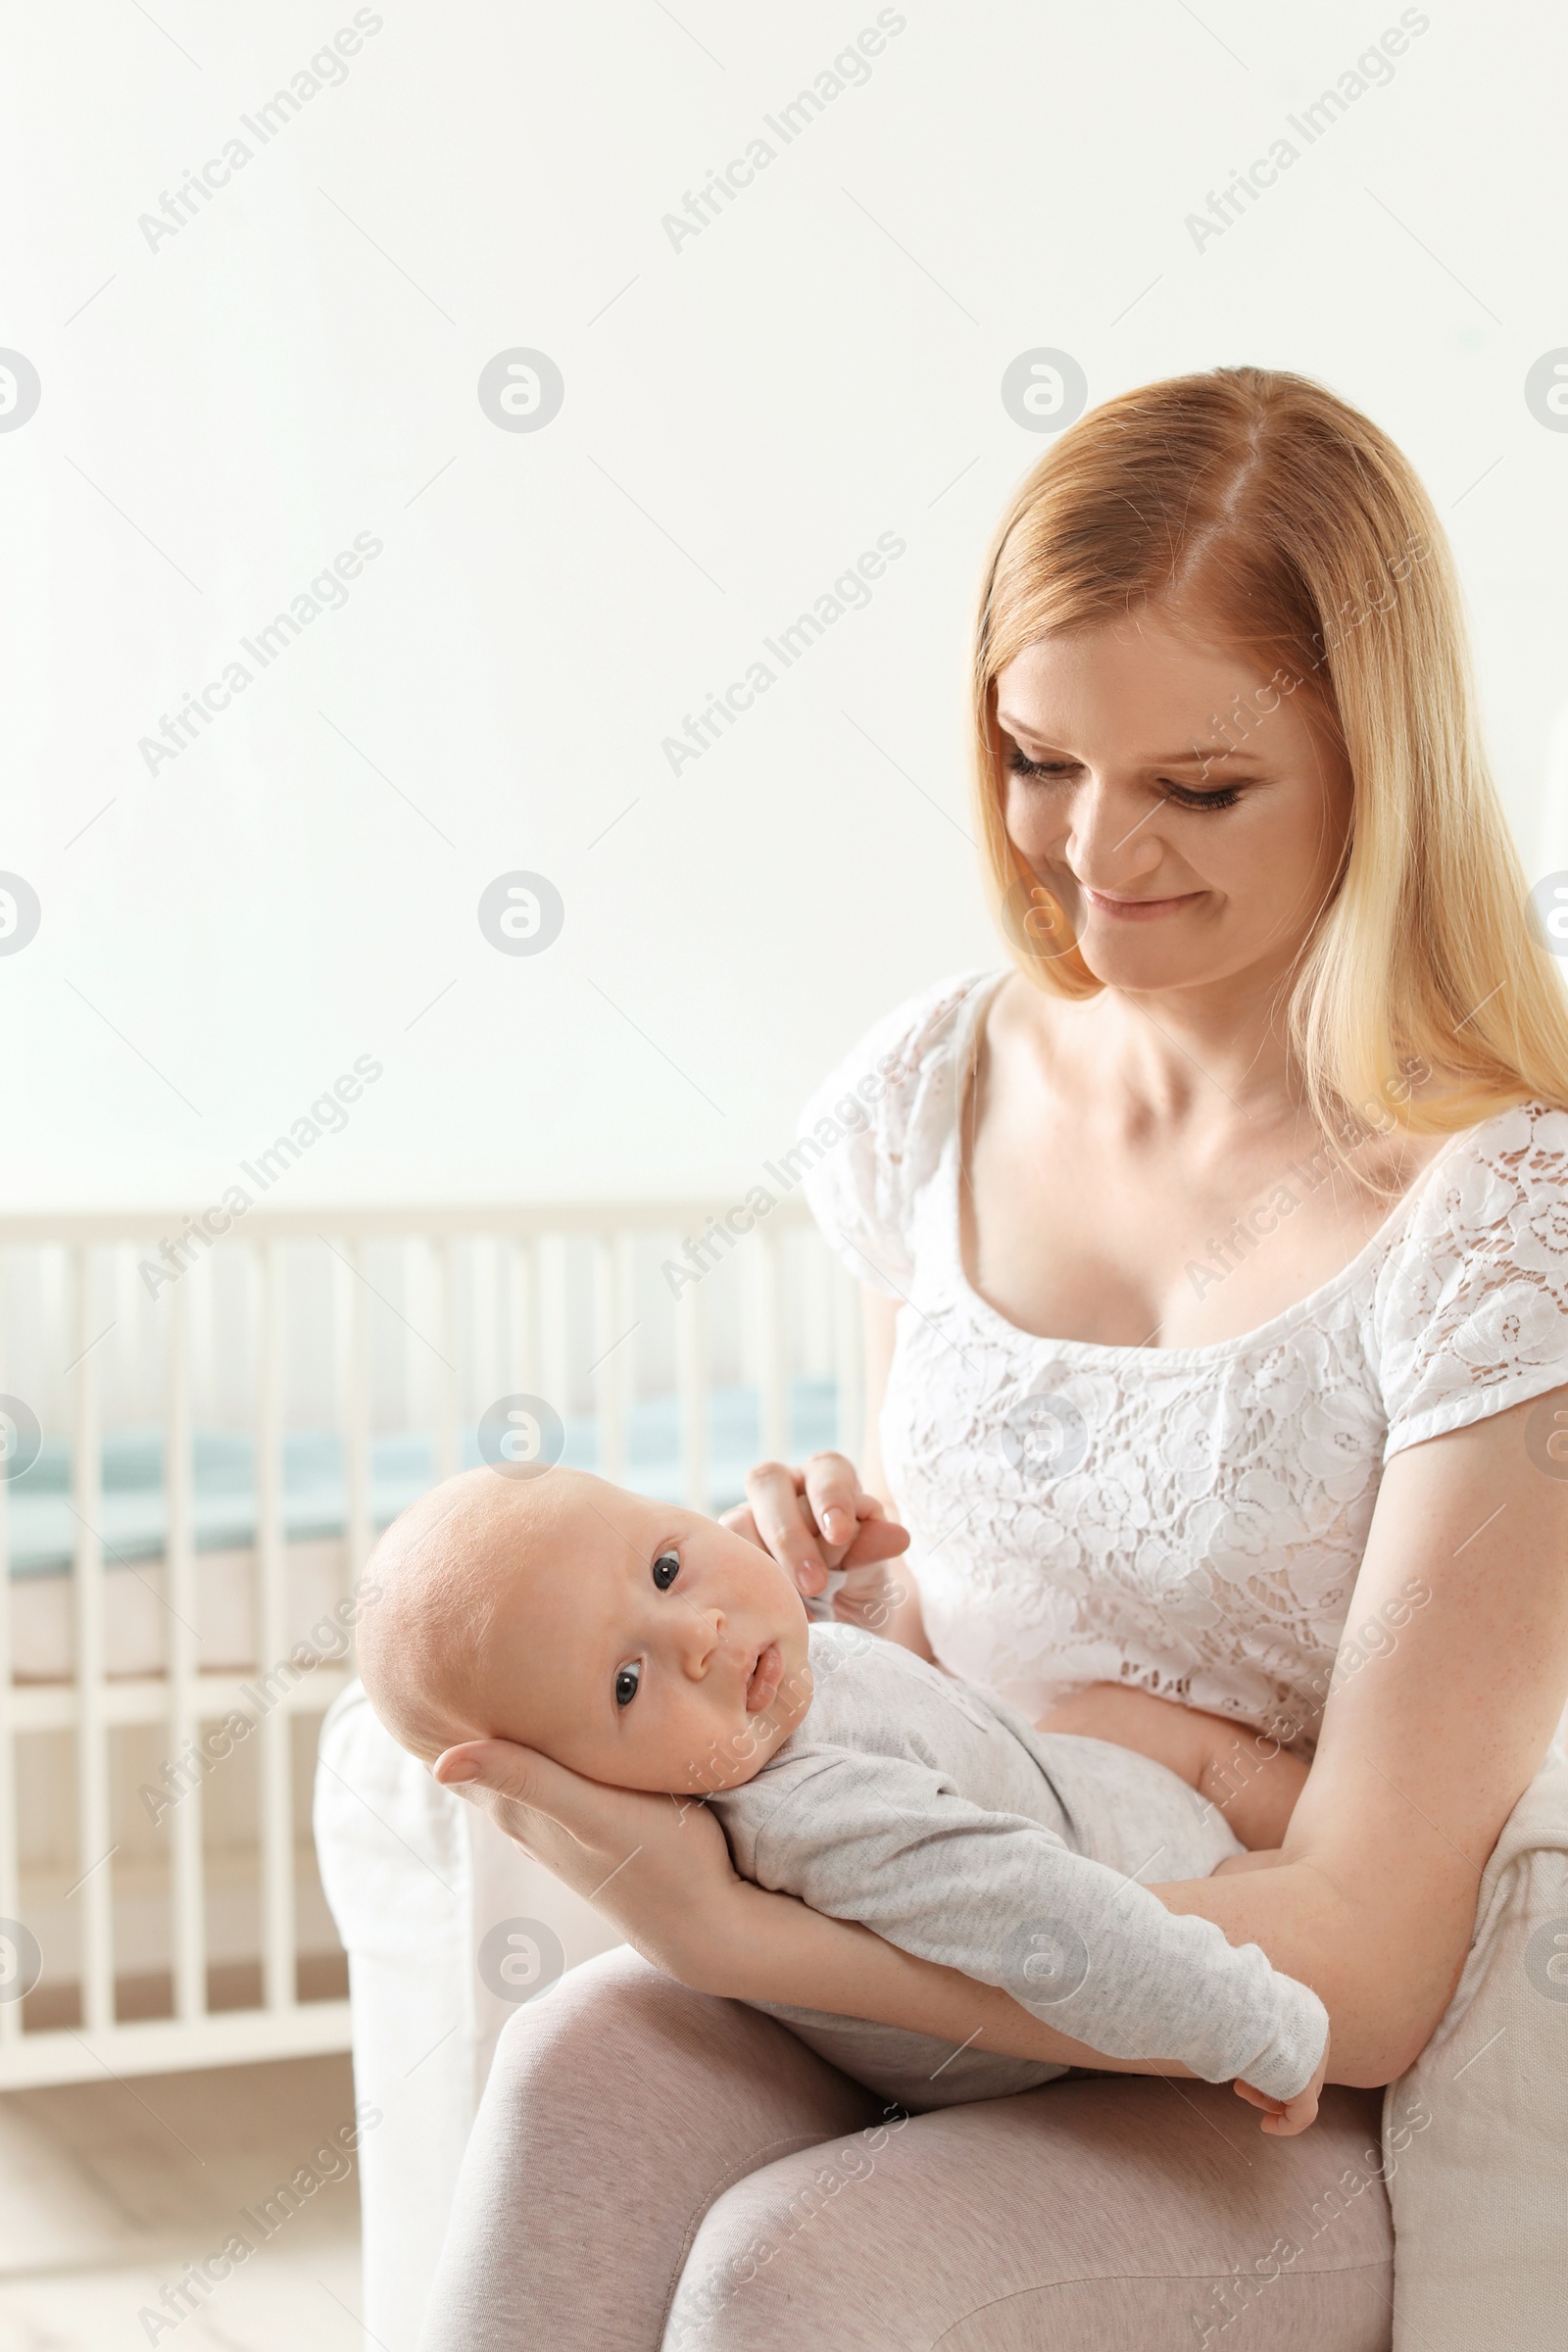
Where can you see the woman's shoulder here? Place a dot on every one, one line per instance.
(907, 1046)
(1471, 1299)
(872, 1134)
(1498, 1188)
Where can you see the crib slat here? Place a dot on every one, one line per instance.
(770, 1341)
(479, 1364)
(847, 1367)
(630, 1322)
(93, 1377)
(10, 1869)
(521, 1375)
(611, 1315)
(93, 1891)
(444, 1385)
(690, 1383)
(179, 1585)
(353, 1305)
(276, 1763)
(555, 1378)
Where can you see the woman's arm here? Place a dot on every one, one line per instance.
(1426, 1744)
(1460, 1624)
(660, 1867)
(1459, 1636)
(1249, 1780)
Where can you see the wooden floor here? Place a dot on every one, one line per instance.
(108, 2190)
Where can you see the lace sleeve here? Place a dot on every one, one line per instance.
(1471, 1311)
(872, 1135)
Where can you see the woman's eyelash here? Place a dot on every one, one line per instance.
(1023, 766)
(1224, 796)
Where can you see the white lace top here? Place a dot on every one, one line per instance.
(1185, 1520)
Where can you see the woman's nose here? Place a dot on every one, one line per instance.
(1108, 842)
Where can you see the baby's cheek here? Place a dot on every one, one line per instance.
(695, 1755)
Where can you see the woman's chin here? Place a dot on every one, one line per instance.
(1142, 967)
(1154, 960)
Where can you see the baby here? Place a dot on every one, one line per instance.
(648, 1647)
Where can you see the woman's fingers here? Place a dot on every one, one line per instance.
(504, 1768)
(854, 1524)
(576, 1827)
(815, 1519)
(536, 1800)
(878, 1539)
(657, 1866)
(833, 1495)
(783, 1526)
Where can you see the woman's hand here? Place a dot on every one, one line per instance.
(657, 1866)
(821, 1518)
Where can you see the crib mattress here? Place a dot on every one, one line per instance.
(42, 1525)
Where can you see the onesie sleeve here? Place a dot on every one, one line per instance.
(1471, 1308)
(870, 1136)
(886, 1840)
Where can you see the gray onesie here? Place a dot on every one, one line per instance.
(928, 1811)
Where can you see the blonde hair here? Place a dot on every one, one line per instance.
(1263, 505)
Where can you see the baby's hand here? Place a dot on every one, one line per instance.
(1284, 2118)
(866, 1597)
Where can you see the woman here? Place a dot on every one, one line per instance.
(1216, 1275)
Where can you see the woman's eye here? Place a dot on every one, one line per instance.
(626, 1681)
(665, 1569)
(1023, 766)
(1225, 798)
(1181, 796)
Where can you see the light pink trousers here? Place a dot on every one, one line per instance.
(655, 2170)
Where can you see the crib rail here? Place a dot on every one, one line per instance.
(543, 1301)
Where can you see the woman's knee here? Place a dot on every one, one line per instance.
(794, 2240)
(1082, 2215)
(617, 2041)
(613, 2013)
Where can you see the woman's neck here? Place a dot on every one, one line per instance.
(1186, 1058)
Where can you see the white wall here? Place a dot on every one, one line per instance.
(743, 415)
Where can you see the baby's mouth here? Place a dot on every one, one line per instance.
(765, 1676)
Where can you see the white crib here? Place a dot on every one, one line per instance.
(217, 1456)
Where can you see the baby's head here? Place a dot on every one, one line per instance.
(633, 1642)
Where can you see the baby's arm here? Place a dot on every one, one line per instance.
(1246, 1776)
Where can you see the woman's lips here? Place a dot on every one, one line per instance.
(766, 1678)
(1135, 910)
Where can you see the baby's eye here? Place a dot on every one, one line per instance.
(665, 1569)
(628, 1679)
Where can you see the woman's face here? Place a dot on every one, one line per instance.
(1184, 847)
